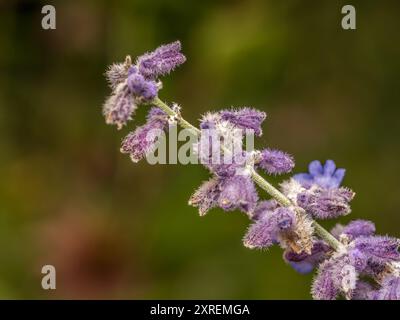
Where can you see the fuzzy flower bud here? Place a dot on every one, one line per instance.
(326, 203)
(354, 229)
(118, 72)
(245, 118)
(275, 161)
(206, 197)
(326, 176)
(142, 88)
(142, 141)
(238, 192)
(119, 107)
(161, 61)
(378, 249)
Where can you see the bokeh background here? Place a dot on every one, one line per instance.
(114, 229)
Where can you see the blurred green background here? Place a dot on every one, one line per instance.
(114, 229)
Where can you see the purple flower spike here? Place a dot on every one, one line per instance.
(261, 234)
(161, 61)
(326, 176)
(354, 229)
(238, 192)
(358, 259)
(275, 161)
(379, 249)
(142, 141)
(326, 203)
(390, 289)
(305, 263)
(206, 197)
(119, 107)
(142, 88)
(245, 118)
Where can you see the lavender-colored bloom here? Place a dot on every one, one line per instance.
(161, 61)
(326, 176)
(270, 228)
(326, 203)
(206, 197)
(305, 263)
(378, 249)
(275, 161)
(117, 73)
(238, 192)
(335, 276)
(390, 289)
(119, 107)
(142, 141)
(354, 229)
(142, 88)
(245, 118)
(324, 286)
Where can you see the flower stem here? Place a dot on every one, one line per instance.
(257, 178)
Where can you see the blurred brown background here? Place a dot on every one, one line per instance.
(114, 229)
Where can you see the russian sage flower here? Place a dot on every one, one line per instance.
(206, 196)
(270, 228)
(354, 229)
(245, 118)
(379, 249)
(326, 203)
(161, 61)
(352, 262)
(326, 176)
(238, 192)
(141, 87)
(139, 143)
(120, 106)
(275, 161)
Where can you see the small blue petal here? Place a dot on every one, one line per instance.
(329, 167)
(315, 168)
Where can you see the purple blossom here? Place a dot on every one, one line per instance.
(354, 229)
(326, 203)
(206, 197)
(275, 161)
(326, 176)
(238, 192)
(270, 228)
(378, 249)
(335, 276)
(142, 88)
(142, 141)
(245, 118)
(116, 74)
(324, 286)
(161, 61)
(305, 263)
(390, 289)
(119, 107)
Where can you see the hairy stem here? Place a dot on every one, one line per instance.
(258, 179)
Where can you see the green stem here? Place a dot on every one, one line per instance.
(258, 179)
